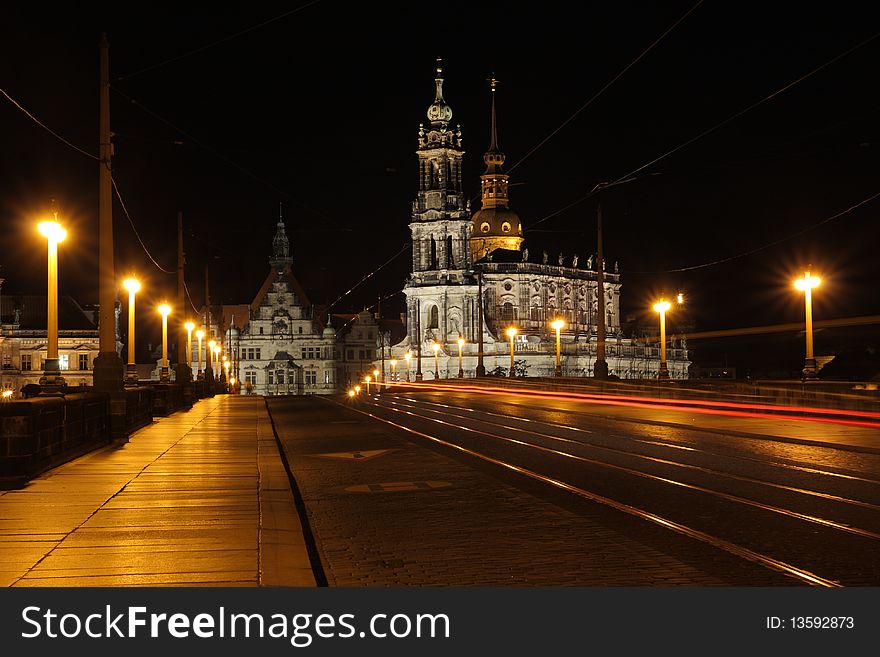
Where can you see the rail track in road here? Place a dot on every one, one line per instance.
(762, 519)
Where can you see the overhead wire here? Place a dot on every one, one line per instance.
(370, 307)
(358, 284)
(207, 46)
(711, 129)
(47, 128)
(134, 228)
(765, 246)
(607, 85)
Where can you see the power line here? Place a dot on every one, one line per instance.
(356, 285)
(713, 128)
(189, 296)
(136, 234)
(47, 128)
(603, 89)
(766, 246)
(217, 42)
(370, 307)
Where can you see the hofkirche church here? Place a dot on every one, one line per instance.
(455, 253)
(281, 343)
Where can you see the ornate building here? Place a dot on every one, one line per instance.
(23, 341)
(455, 254)
(276, 343)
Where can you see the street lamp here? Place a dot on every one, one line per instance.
(209, 359)
(661, 307)
(376, 379)
(189, 326)
(393, 362)
(54, 234)
(367, 381)
(436, 348)
(460, 368)
(164, 310)
(199, 335)
(131, 376)
(806, 285)
(407, 356)
(357, 390)
(558, 324)
(226, 365)
(511, 333)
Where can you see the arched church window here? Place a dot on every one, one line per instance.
(433, 318)
(450, 261)
(484, 227)
(505, 227)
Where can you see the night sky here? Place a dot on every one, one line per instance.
(319, 110)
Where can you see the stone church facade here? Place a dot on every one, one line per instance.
(455, 253)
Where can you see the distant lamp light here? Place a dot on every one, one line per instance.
(680, 298)
(351, 393)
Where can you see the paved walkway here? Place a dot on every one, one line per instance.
(199, 498)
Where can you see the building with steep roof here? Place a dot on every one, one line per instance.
(465, 266)
(23, 340)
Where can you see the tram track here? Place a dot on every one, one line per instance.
(799, 574)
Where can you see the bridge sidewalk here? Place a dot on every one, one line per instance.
(199, 498)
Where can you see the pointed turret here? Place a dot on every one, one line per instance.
(280, 259)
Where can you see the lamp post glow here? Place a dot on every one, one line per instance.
(131, 376)
(393, 362)
(367, 381)
(189, 326)
(209, 358)
(226, 365)
(511, 333)
(164, 310)
(806, 285)
(436, 348)
(558, 324)
(460, 367)
(661, 307)
(199, 335)
(407, 356)
(54, 234)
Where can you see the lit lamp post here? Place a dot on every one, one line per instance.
(131, 376)
(407, 356)
(189, 326)
(806, 285)
(54, 234)
(199, 335)
(436, 348)
(215, 358)
(393, 362)
(460, 362)
(209, 358)
(367, 381)
(164, 310)
(661, 307)
(558, 324)
(226, 365)
(511, 333)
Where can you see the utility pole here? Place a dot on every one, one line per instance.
(183, 371)
(418, 340)
(600, 368)
(209, 373)
(381, 345)
(108, 364)
(481, 368)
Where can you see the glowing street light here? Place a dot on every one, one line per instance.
(54, 234)
(367, 381)
(806, 285)
(165, 310)
(133, 286)
(226, 365)
(357, 390)
(351, 393)
(376, 379)
(436, 348)
(199, 335)
(393, 362)
(189, 326)
(209, 358)
(558, 324)
(661, 307)
(460, 368)
(407, 356)
(511, 333)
